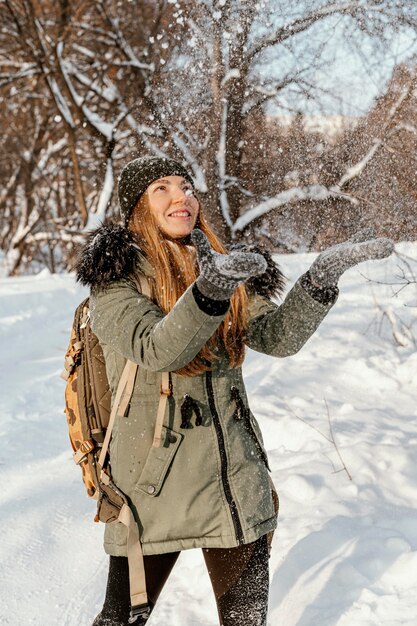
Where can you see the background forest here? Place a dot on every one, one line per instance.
(254, 97)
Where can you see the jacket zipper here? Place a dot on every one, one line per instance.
(223, 461)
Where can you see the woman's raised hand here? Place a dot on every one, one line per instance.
(220, 274)
(333, 262)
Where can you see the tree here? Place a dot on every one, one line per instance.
(71, 71)
(381, 158)
(90, 85)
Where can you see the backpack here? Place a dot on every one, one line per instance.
(90, 418)
(87, 397)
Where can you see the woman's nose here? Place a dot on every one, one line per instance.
(178, 194)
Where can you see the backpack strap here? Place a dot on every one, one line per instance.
(143, 284)
(137, 580)
(165, 392)
(166, 387)
(126, 383)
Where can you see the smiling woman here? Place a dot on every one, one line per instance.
(193, 469)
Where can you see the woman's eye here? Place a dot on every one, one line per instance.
(160, 187)
(189, 191)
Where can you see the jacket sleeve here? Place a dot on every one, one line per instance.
(136, 328)
(281, 330)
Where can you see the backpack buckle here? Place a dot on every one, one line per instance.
(87, 446)
(141, 610)
(166, 391)
(85, 319)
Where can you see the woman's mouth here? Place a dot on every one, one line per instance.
(180, 214)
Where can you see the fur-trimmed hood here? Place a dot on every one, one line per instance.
(111, 254)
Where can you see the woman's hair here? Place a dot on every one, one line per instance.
(176, 268)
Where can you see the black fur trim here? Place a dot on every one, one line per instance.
(110, 254)
(271, 283)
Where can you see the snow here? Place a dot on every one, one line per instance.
(345, 552)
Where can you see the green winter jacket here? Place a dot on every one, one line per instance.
(207, 486)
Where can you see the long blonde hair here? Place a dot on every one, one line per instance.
(176, 268)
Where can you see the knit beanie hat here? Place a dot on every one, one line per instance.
(138, 174)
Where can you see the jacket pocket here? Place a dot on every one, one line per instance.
(158, 463)
(244, 415)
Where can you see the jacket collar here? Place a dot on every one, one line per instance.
(110, 254)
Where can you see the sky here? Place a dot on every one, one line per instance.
(350, 65)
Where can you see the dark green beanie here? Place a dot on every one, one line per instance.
(138, 174)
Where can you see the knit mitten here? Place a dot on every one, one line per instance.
(220, 274)
(333, 262)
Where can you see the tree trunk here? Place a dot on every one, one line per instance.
(79, 193)
(215, 151)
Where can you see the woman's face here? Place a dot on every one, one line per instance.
(173, 205)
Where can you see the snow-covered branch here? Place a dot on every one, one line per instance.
(50, 150)
(261, 93)
(356, 170)
(60, 101)
(9, 186)
(26, 224)
(221, 163)
(112, 96)
(99, 216)
(320, 192)
(122, 43)
(101, 127)
(96, 31)
(409, 128)
(28, 71)
(295, 194)
(198, 172)
(61, 237)
(108, 93)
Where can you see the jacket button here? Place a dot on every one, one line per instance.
(172, 439)
(151, 489)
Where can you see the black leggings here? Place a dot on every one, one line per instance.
(239, 577)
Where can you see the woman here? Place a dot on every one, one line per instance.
(207, 486)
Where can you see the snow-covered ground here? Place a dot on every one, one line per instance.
(345, 553)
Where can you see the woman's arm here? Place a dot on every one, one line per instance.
(137, 328)
(281, 330)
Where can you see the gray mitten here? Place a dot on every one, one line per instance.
(333, 262)
(220, 274)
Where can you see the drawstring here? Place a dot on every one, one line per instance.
(188, 407)
(198, 416)
(240, 411)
